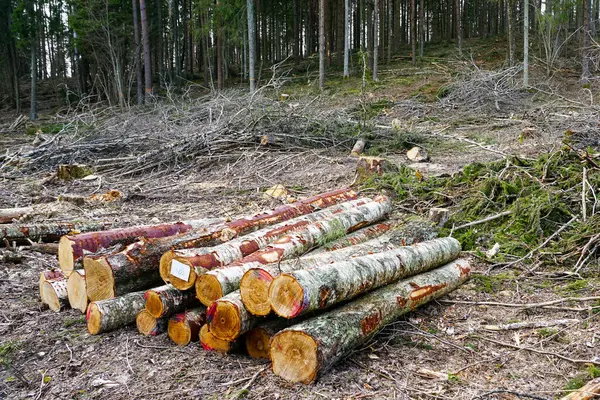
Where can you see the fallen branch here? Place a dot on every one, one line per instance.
(530, 324)
(481, 221)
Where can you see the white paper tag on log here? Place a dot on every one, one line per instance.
(180, 270)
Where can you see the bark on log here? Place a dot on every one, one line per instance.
(147, 325)
(76, 290)
(217, 283)
(301, 352)
(54, 293)
(296, 293)
(166, 300)
(228, 318)
(589, 391)
(72, 247)
(358, 237)
(258, 339)
(187, 264)
(141, 259)
(185, 327)
(107, 315)
(50, 232)
(50, 274)
(7, 215)
(211, 342)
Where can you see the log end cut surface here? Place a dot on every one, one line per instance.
(286, 296)
(224, 320)
(254, 289)
(154, 304)
(165, 265)
(76, 290)
(257, 343)
(94, 319)
(50, 297)
(65, 255)
(294, 356)
(179, 331)
(99, 279)
(208, 289)
(181, 273)
(211, 342)
(145, 323)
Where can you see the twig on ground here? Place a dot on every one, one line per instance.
(481, 221)
(243, 390)
(525, 305)
(530, 324)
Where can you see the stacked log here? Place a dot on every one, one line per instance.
(148, 325)
(49, 232)
(166, 300)
(211, 342)
(136, 266)
(110, 314)
(296, 293)
(228, 319)
(217, 283)
(76, 290)
(360, 236)
(185, 327)
(300, 353)
(258, 339)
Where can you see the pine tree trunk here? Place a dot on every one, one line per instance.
(138, 52)
(7, 215)
(375, 39)
(187, 264)
(165, 301)
(110, 314)
(511, 32)
(585, 56)
(185, 327)
(146, 44)
(322, 44)
(72, 247)
(54, 293)
(76, 290)
(33, 96)
(148, 325)
(296, 293)
(49, 232)
(347, 22)
(325, 339)
(251, 45)
(413, 32)
(220, 83)
(217, 283)
(421, 27)
(526, 43)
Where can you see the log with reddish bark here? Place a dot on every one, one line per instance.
(72, 247)
(49, 232)
(211, 342)
(185, 327)
(187, 264)
(589, 391)
(54, 293)
(217, 283)
(228, 318)
(303, 351)
(166, 300)
(295, 293)
(110, 314)
(258, 339)
(137, 265)
(148, 325)
(76, 290)
(53, 273)
(7, 215)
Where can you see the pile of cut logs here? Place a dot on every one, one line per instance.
(249, 282)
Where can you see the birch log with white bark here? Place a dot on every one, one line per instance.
(110, 314)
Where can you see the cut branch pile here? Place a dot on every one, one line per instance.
(357, 252)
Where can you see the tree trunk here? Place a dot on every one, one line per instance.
(110, 314)
(413, 32)
(227, 317)
(322, 44)
(7, 215)
(146, 44)
(526, 43)
(187, 264)
(50, 232)
(148, 325)
(72, 247)
(76, 289)
(217, 283)
(165, 301)
(138, 51)
(421, 27)
(185, 327)
(220, 83)
(346, 38)
(511, 33)
(585, 56)
(211, 342)
(375, 39)
(54, 293)
(325, 339)
(251, 45)
(33, 104)
(143, 258)
(296, 293)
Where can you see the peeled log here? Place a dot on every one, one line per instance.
(137, 265)
(107, 315)
(72, 247)
(166, 300)
(258, 340)
(7, 215)
(185, 327)
(76, 290)
(300, 353)
(147, 325)
(50, 232)
(228, 318)
(54, 293)
(212, 343)
(296, 293)
(187, 264)
(217, 283)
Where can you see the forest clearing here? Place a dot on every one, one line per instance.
(423, 225)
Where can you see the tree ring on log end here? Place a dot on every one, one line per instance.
(181, 273)
(65, 255)
(145, 322)
(257, 343)
(94, 319)
(179, 332)
(154, 304)
(77, 292)
(211, 342)
(294, 356)
(99, 279)
(225, 323)
(254, 289)
(208, 289)
(286, 296)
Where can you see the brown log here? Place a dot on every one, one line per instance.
(50, 274)
(211, 342)
(76, 290)
(7, 215)
(137, 266)
(54, 293)
(258, 339)
(303, 351)
(589, 391)
(166, 300)
(217, 283)
(185, 327)
(72, 247)
(110, 314)
(147, 325)
(49, 232)
(187, 264)
(295, 293)
(46, 248)
(228, 318)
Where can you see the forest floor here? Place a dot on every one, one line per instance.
(50, 355)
